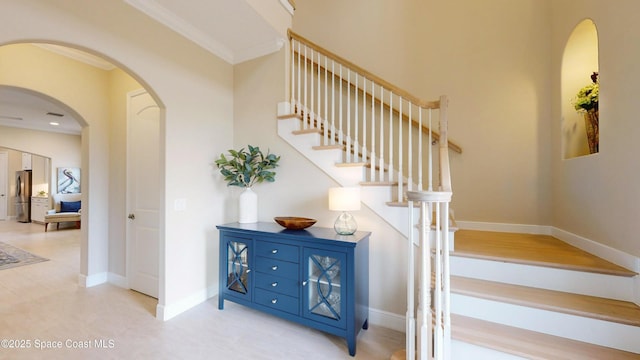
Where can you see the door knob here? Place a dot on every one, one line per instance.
(132, 216)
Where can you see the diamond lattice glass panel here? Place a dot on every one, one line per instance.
(237, 267)
(324, 289)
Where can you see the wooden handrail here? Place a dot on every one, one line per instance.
(370, 76)
(396, 90)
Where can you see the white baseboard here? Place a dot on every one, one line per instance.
(88, 281)
(386, 319)
(610, 254)
(168, 311)
(503, 227)
(118, 280)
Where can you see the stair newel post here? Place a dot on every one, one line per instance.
(425, 332)
(409, 318)
(447, 281)
(438, 333)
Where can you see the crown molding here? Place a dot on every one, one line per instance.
(182, 27)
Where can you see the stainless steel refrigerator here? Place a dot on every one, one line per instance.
(23, 196)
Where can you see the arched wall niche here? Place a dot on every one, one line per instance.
(579, 62)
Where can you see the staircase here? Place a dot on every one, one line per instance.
(536, 297)
(512, 296)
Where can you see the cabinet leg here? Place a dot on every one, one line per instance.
(351, 343)
(365, 326)
(220, 303)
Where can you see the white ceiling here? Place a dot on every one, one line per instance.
(22, 109)
(230, 29)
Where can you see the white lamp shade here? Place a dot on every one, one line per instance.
(344, 198)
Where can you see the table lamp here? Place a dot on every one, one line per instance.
(345, 199)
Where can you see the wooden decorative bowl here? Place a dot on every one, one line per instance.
(294, 223)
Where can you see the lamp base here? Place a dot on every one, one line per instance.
(345, 224)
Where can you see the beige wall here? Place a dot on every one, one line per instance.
(597, 196)
(499, 62)
(491, 58)
(195, 90)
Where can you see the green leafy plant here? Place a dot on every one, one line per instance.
(245, 168)
(587, 97)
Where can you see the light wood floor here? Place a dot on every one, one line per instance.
(532, 250)
(43, 303)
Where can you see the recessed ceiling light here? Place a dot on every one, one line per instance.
(54, 123)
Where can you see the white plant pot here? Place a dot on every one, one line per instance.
(248, 207)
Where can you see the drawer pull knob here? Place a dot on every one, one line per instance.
(274, 251)
(274, 284)
(273, 301)
(304, 283)
(248, 271)
(274, 267)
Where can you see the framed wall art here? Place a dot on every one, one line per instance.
(68, 180)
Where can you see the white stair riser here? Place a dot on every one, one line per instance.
(604, 333)
(578, 282)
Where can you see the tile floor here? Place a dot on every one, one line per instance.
(42, 306)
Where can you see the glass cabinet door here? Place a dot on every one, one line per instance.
(324, 293)
(238, 267)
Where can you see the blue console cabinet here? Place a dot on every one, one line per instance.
(313, 276)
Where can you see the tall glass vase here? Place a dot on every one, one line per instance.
(591, 122)
(248, 207)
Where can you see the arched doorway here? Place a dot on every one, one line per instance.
(98, 96)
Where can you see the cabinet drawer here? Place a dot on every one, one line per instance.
(277, 251)
(276, 301)
(277, 284)
(277, 267)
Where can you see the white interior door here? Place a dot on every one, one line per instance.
(4, 181)
(143, 193)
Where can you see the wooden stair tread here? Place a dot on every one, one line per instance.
(529, 344)
(327, 147)
(351, 164)
(618, 311)
(307, 131)
(532, 249)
